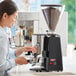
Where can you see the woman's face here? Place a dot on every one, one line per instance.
(9, 20)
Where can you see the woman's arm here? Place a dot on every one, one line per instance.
(5, 63)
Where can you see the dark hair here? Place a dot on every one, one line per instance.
(7, 6)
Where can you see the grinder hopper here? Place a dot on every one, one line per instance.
(52, 15)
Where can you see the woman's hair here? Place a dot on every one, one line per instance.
(7, 6)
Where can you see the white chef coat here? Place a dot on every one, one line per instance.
(6, 55)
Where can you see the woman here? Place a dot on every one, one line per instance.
(8, 58)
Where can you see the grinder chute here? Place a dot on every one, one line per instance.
(52, 15)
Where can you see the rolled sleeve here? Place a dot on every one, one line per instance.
(12, 62)
(7, 65)
(12, 53)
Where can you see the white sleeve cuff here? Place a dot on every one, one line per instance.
(12, 62)
(12, 53)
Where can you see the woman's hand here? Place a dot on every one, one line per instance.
(30, 48)
(20, 60)
(20, 50)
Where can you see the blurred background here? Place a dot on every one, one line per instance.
(34, 6)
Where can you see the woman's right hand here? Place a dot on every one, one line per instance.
(20, 60)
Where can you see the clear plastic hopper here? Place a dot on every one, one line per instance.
(52, 15)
